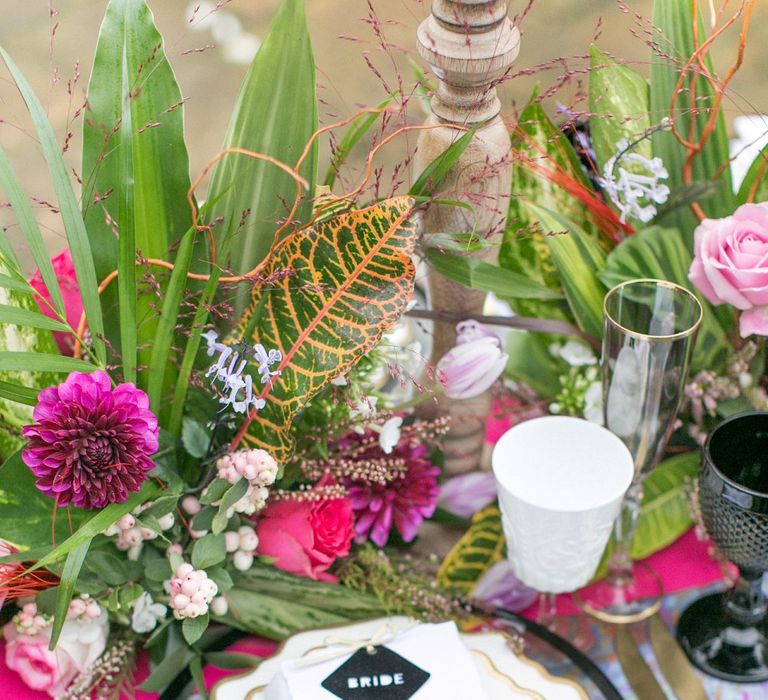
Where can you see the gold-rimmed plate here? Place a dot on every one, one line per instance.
(506, 675)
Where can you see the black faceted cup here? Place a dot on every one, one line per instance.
(725, 634)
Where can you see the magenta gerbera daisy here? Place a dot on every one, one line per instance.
(91, 443)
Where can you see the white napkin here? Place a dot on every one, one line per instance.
(437, 649)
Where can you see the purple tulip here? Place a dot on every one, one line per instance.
(474, 364)
(465, 495)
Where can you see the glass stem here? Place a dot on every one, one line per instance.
(746, 602)
(547, 610)
(620, 565)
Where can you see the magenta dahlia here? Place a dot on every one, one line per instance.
(403, 502)
(91, 444)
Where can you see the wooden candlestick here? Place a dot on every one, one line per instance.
(470, 45)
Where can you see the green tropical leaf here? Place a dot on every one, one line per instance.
(17, 394)
(33, 319)
(675, 40)
(26, 514)
(42, 362)
(618, 99)
(269, 602)
(74, 226)
(275, 114)
(352, 277)
(661, 253)
(428, 181)
(133, 126)
(486, 277)
(481, 546)
(542, 151)
(578, 259)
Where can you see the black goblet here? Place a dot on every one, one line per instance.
(726, 634)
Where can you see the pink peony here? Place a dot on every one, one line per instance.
(306, 536)
(70, 292)
(730, 264)
(91, 444)
(403, 502)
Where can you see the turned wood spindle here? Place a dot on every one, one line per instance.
(470, 45)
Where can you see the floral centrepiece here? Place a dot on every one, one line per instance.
(91, 444)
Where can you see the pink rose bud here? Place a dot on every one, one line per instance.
(472, 366)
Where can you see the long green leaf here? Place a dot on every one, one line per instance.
(135, 165)
(661, 253)
(34, 319)
(42, 362)
(22, 209)
(428, 181)
(7, 282)
(755, 184)
(276, 114)
(477, 274)
(618, 96)
(66, 588)
(675, 39)
(74, 226)
(578, 259)
(18, 394)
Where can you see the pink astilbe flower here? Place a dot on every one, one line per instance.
(91, 444)
(70, 294)
(403, 502)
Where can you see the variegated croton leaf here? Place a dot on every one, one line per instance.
(350, 280)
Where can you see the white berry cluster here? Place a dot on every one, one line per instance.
(29, 621)
(130, 536)
(260, 470)
(83, 608)
(241, 545)
(190, 591)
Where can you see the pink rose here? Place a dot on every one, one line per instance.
(81, 643)
(70, 292)
(730, 264)
(306, 536)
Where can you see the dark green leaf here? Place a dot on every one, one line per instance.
(158, 569)
(214, 491)
(195, 438)
(170, 667)
(203, 521)
(108, 567)
(221, 578)
(196, 671)
(232, 659)
(232, 496)
(193, 628)
(209, 550)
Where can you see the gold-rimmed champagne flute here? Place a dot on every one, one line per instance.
(650, 328)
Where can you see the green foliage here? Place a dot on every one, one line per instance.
(72, 565)
(74, 226)
(232, 495)
(209, 550)
(428, 182)
(618, 96)
(275, 114)
(578, 259)
(661, 253)
(25, 512)
(675, 39)
(132, 126)
(274, 604)
(755, 185)
(542, 152)
(195, 438)
(193, 628)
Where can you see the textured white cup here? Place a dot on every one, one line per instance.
(561, 482)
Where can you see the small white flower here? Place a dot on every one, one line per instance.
(146, 614)
(593, 403)
(389, 434)
(365, 409)
(577, 354)
(632, 182)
